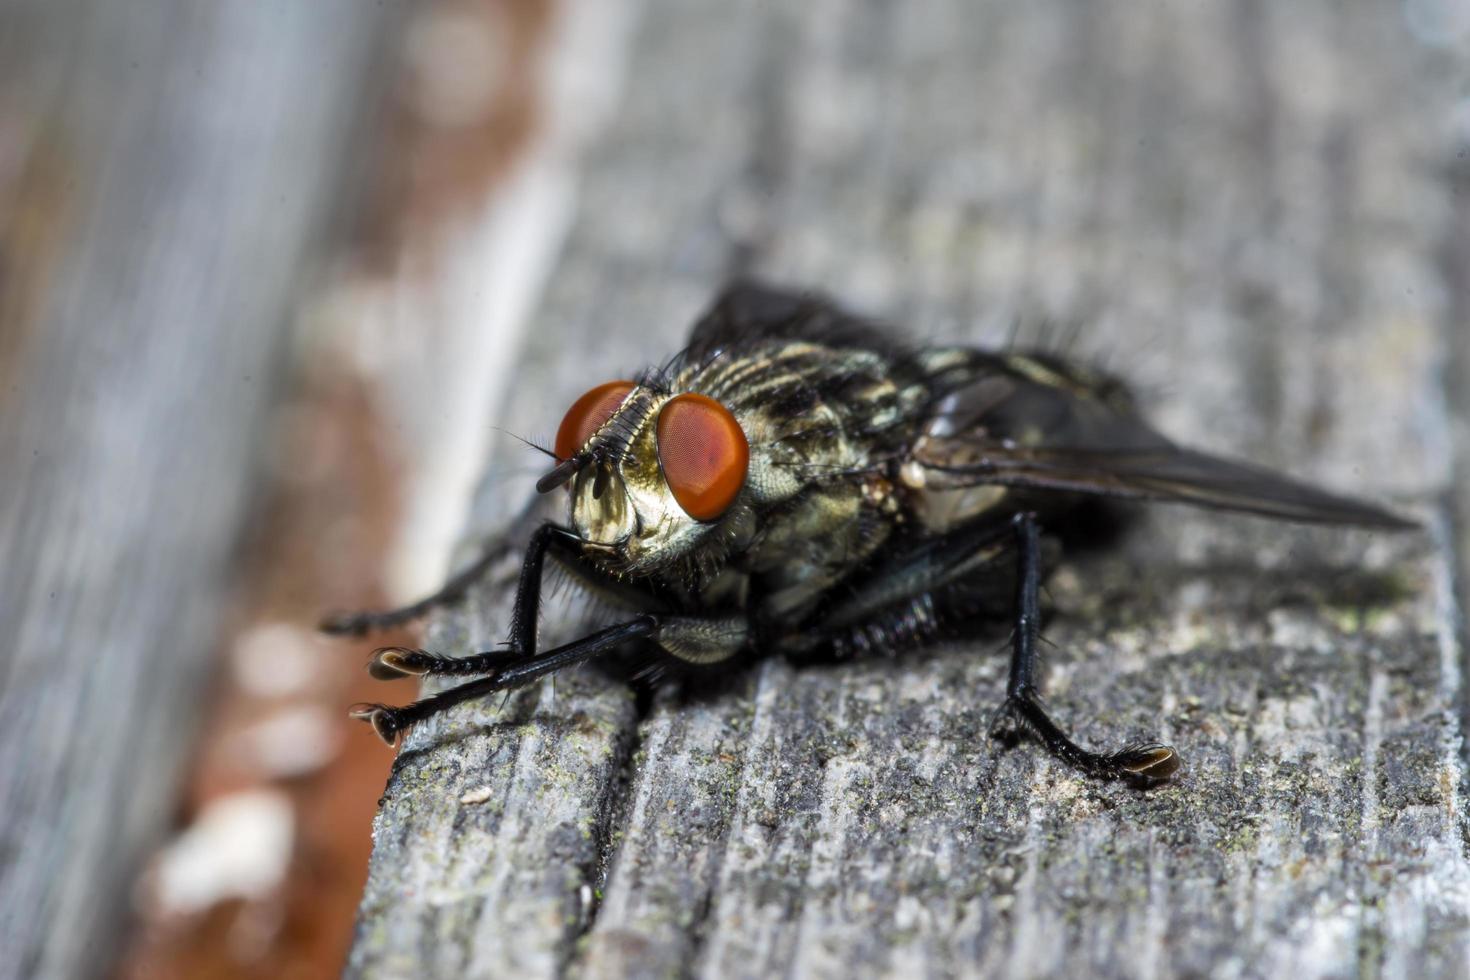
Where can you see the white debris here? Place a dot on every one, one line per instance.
(291, 742)
(239, 847)
(480, 795)
(274, 660)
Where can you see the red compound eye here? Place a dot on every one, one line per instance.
(587, 415)
(703, 453)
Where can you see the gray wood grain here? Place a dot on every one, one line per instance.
(1249, 208)
(171, 170)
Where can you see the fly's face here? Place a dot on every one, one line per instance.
(650, 473)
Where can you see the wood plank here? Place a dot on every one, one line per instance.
(171, 171)
(1237, 203)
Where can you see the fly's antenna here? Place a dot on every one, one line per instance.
(597, 456)
(563, 472)
(606, 450)
(523, 440)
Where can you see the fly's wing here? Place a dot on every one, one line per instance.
(1043, 430)
(1026, 421)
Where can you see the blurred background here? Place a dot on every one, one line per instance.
(264, 267)
(261, 265)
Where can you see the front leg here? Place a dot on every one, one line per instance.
(389, 663)
(523, 616)
(452, 591)
(496, 550)
(694, 639)
(505, 672)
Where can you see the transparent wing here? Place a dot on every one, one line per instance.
(1006, 430)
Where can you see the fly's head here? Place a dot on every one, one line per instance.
(651, 474)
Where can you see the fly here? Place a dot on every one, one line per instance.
(796, 481)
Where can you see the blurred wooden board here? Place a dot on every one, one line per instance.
(1248, 208)
(170, 174)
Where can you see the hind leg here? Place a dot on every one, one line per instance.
(895, 601)
(1145, 765)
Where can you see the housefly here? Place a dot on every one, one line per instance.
(796, 481)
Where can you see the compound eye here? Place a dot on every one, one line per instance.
(588, 414)
(703, 453)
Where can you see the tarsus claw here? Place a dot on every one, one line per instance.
(384, 720)
(391, 663)
(1148, 764)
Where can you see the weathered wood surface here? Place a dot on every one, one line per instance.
(1251, 209)
(168, 172)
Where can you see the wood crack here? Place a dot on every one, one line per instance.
(607, 830)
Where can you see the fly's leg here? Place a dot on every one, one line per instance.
(390, 663)
(896, 604)
(693, 639)
(522, 640)
(451, 592)
(505, 673)
(1144, 765)
(372, 621)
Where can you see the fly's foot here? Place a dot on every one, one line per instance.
(1146, 765)
(1007, 724)
(503, 670)
(1141, 765)
(373, 621)
(391, 663)
(386, 720)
